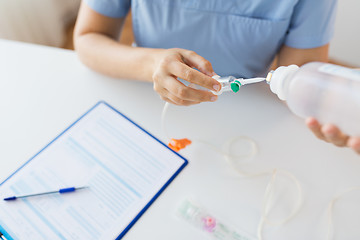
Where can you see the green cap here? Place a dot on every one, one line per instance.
(235, 86)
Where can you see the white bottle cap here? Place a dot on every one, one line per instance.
(278, 77)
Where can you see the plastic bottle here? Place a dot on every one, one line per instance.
(328, 92)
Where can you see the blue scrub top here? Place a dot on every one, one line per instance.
(239, 37)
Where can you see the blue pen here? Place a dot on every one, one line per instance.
(61, 191)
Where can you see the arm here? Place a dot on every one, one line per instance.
(326, 132)
(288, 55)
(96, 42)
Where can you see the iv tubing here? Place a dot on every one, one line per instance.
(163, 126)
(274, 172)
(330, 232)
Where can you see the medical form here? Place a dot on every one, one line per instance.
(124, 167)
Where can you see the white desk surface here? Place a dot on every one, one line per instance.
(43, 90)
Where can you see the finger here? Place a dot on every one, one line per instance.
(168, 97)
(193, 59)
(354, 143)
(167, 100)
(334, 135)
(160, 89)
(191, 75)
(165, 85)
(164, 93)
(315, 127)
(181, 102)
(187, 93)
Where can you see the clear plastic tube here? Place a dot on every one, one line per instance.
(225, 83)
(230, 83)
(203, 220)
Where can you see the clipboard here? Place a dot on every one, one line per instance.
(124, 166)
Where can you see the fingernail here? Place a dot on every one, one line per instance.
(213, 98)
(216, 87)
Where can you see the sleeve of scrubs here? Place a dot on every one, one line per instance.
(312, 24)
(110, 8)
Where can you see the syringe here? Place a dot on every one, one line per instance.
(230, 83)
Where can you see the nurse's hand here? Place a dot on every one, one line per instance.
(332, 134)
(171, 64)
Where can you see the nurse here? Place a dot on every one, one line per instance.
(237, 37)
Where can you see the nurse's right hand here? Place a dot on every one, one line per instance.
(171, 64)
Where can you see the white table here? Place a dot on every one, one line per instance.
(43, 90)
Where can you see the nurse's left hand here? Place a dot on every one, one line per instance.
(332, 134)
